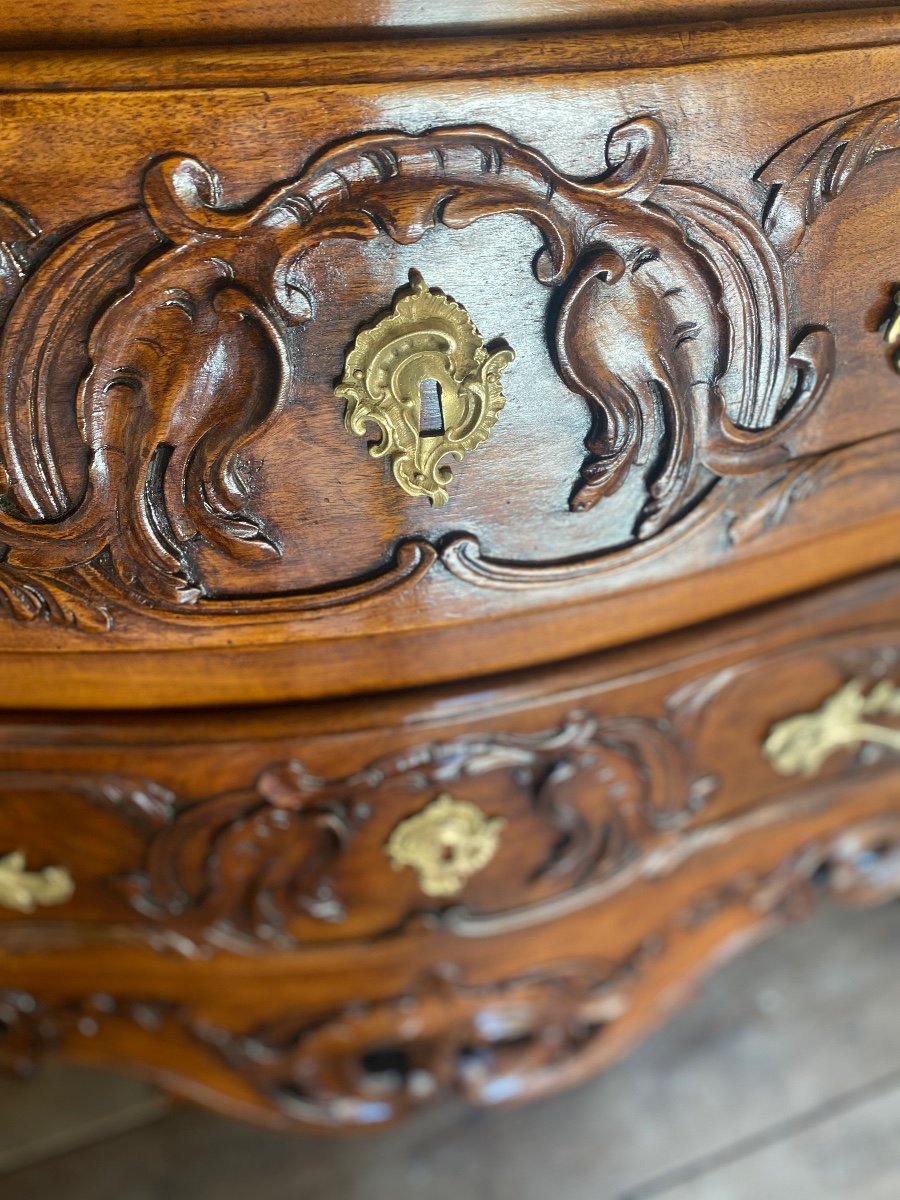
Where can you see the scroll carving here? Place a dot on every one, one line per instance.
(847, 472)
(531, 1034)
(372, 1063)
(585, 806)
(238, 870)
(143, 353)
(248, 869)
(814, 169)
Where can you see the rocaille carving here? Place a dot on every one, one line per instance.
(157, 340)
(371, 1063)
(376, 1063)
(848, 472)
(586, 804)
(267, 865)
(250, 868)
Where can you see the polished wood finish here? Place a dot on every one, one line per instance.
(675, 243)
(782, 1076)
(48, 23)
(391, 59)
(357, 587)
(233, 867)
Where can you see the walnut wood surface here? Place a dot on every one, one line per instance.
(47, 23)
(685, 237)
(590, 764)
(389, 58)
(231, 867)
(631, 485)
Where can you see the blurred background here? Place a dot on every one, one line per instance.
(780, 1082)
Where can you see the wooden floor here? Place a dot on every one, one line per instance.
(781, 1083)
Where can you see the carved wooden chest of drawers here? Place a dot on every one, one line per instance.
(448, 530)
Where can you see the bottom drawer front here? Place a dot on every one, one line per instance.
(341, 1038)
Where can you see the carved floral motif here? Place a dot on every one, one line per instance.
(143, 353)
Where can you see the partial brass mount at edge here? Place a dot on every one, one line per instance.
(800, 745)
(23, 890)
(892, 332)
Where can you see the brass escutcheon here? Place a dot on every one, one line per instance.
(426, 341)
(446, 843)
(24, 891)
(800, 745)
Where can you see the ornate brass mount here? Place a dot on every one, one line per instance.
(892, 332)
(426, 341)
(801, 744)
(24, 891)
(446, 843)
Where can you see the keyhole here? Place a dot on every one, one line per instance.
(431, 412)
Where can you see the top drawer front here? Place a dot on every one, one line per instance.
(613, 333)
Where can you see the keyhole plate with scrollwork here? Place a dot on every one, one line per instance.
(446, 843)
(426, 339)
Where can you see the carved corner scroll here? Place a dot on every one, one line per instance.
(142, 354)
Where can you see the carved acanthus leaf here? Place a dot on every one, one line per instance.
(815, 168)
(71, 598)
(18, 234)
(847, 471)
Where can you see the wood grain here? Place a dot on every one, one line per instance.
(260, 830)
(673, 242)
(282, 534)
(51, 23)
(231, 873)
(390, 59)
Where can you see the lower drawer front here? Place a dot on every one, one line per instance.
(354, 386)
(328, 914)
